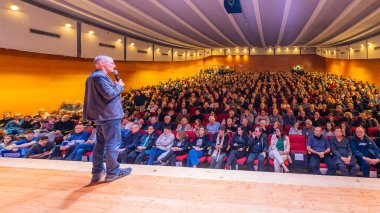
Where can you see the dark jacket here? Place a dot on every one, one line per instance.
(64, 127)
(151, 141)
(184, 145)
(364, 148)
(258, 145)
(131, 141)
(102, 100)
(241, 142)
(225, 142)
(205, 143)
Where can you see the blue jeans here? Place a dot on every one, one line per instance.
(193, 160)
(79, 150)
(365, 166)
(154, 153)
(108, 140)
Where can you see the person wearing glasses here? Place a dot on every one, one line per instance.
(258, 147)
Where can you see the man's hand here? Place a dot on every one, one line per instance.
(264, 154)
(321, 155)
(120, 82)
(121, 150)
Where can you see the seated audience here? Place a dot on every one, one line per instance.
(82, 148)
(163, 144)
(365, 150)
(343, 156)
(237, 148)
(219, 147)
(180, 146)
(198, 148)
(143, 146)
(279, 150)
(41, 149)
(296, 129)
(319, 149)
(257, 148)
(129, 143)
(184, 125)
(213, 125)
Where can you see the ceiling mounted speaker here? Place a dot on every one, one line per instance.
(232, 6)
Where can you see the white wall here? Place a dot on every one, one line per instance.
(218, 51)
(262, 51)
(132, 50)
(358, 50)
(179, 54)
(287, 51)
(90, 43)
(162, 53)
(343, 52)
(15, 30)
(374, 47)
(308, 50)
(191, 55)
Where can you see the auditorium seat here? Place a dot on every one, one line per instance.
(181, 157)
(88, 155)
(287, 129)
(191, 135)
(371, 131)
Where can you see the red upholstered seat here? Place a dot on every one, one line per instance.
(297, 144)
(202, 159)
(323, 165)
(191, 135)
(287, 129)
(181, 157)
(241, 161)
(87, 154)
(371, 131)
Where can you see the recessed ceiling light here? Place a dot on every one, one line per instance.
(67, 25)
(158, 49)
(132, 44)
(14, 7)
(91, 32)
(119, 40)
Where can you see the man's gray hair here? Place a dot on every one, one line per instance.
(102, 58)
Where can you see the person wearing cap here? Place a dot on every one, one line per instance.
(41, 149)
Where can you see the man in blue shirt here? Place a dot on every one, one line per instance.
(102, 104)
(26, 143)
(319, 148)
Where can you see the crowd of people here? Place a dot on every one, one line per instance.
(221, 119)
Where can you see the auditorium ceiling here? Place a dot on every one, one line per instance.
(205, 23)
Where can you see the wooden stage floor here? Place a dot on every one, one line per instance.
(29, 186)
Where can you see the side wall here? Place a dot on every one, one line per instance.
(30, 81)
(359, 69)
(267, 62)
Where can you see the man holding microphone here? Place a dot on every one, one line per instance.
(102, 104)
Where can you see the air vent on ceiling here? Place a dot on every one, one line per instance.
(164, 54)
(142, 51)
(40, 32)
(356, 51)
(342, 53)
(106, 45)
(179, 55)
(376, 48)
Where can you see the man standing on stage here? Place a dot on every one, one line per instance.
(102, 104)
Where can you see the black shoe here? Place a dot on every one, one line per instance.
(121, 173)
(98, 176)
(157, 162)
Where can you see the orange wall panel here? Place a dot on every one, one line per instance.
(358, 69)
(31, 81)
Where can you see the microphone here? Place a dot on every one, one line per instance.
(116, 73)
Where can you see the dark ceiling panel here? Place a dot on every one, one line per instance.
(330, 11)
(271, 12)
(299, 14)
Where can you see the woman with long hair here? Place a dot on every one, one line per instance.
(279, 150)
